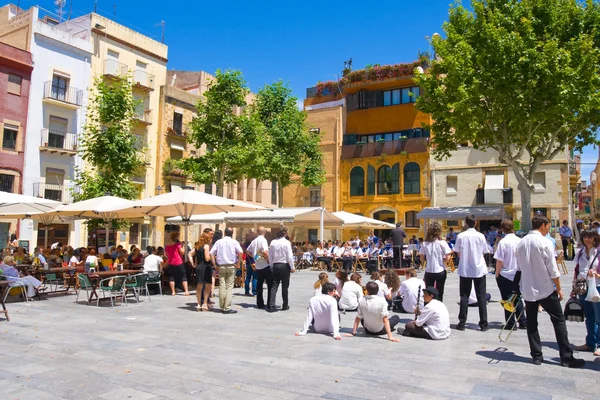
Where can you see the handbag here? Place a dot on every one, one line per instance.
(574, 310)
(592, 295)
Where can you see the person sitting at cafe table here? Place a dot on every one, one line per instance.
(153, 263)
(135, 257)
(91, 260)
(19, 255)
(14, 277)
(77, 259)
(121, 259)
(106, 262)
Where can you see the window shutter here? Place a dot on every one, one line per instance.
(352, 102)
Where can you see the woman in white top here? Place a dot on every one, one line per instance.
(588, 266)
(436, 252)
(91, 260)
(352, 292)
(323, 279)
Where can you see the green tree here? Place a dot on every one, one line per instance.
(516, 76)
(111, 151)
(229, 137)
(288, 148)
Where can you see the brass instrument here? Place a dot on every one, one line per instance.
(510, 305)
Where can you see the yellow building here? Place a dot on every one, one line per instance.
(374, 147)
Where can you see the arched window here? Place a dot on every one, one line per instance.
(412, 178)
(370, 180)
(396, 179)
(388, 179)
(357, 181)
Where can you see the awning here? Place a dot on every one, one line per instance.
(176, 146)
(458, 213)
(494, 183)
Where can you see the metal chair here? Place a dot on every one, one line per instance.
(155, 279)
(115, 286)
(15, 289)
(138, 283)
(85, 284)
(52, 279)
(361, 263)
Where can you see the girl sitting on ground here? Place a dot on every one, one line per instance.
(323, 278)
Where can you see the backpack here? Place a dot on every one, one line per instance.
(574, 310)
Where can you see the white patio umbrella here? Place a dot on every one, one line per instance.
(20, 206)
(93, 208)
(182, 203)
(358, 221)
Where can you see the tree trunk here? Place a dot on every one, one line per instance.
(279, 194)
(525, 190)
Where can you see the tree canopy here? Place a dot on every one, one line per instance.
(518, 77)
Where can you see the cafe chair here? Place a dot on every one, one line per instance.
(84, 284)
(137, 283)
(115, 287)
(155, 279)
(16, 289)
(52, 279)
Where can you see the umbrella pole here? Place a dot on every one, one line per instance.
(185, 248)
(106, 247)
(322, 225)
(46, 236)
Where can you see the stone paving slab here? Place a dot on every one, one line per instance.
(164, 349)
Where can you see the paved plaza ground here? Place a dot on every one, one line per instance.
(164, 349)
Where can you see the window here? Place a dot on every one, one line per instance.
(367, 99)
(391, 97)
(56, 131)
(543, 211)
(134, 233)
(145, 236)
(6, 183)
(60, 84)
(451, 185)
(370, 180)
(14, 84)
(9, 138)
(208, 188)
(178, 122)
(273, 192)
(412, 178)
(411, 220)
(384, 180)
(315, 196)
(53, 187)
(357, 181)
(452, 223)
(402, 135)
(312, 235)
(539, 182)
(395, 188)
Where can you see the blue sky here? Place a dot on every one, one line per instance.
(301, 42)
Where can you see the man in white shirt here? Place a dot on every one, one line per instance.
(228, 255)
(153, 264)
(323, 314)
(373, 314)
(506, 268)
(433, 321)
(539, 279)
(258, 250)
(472, 269)
(282, 264)
(409, 290)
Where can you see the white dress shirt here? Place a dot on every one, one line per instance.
(323, 311)
(434, 254)
(506, 252)
(372, 309)
(471, 246)
(280, 252)
(409, 290)
(535, 260)
(384, 290)
(352, 292)
(259, 246)
(435, 320)
(226, 250)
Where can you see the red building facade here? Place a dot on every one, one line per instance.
(15, 78)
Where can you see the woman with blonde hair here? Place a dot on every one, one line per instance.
(203, 262)
(436, 252)
(323, 279)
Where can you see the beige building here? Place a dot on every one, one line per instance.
(474, 178)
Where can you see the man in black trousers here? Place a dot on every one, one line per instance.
(281, 257)
(539, 279)
(398, 236)
(258, 250)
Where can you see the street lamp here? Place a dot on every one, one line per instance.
(158, 190)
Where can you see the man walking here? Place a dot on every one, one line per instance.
(228, 255)
(539, 280)
(566, 236)
(258, 250)
(470, 248)
(398, 236)
(282, 264)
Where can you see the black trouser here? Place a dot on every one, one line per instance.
(281, 275)
(263, 275)
(326, 261)
(418, 331)
(347, 263)
(439, 278)
(565, 244)
(551, 305)
(397, 262)
(506, 290)
(393, 320)
(465, 285)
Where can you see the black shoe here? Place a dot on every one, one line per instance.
(271, 309)
(285, 308)
(538, 361)
(229, 312)
(260, 307)
(573, 362)
(484, 328)
(522, 326)
(460, 327)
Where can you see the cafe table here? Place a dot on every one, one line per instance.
(96, 277)
(42, 273)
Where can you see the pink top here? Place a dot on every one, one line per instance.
(172, 252)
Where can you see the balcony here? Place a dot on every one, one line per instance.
(143, 80)
(360, 150)
(176, 130)
(54, 141)
(114, 69)
(143, 116)
(65, 96)
(507, 197)
(56, 192)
